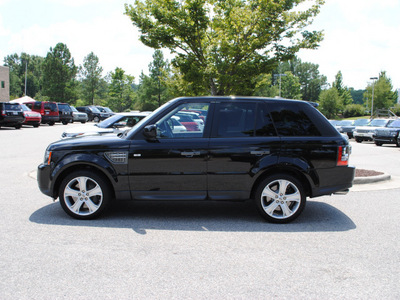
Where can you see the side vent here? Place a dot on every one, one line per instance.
(117, 158)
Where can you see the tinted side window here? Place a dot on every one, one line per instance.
(37, 105)
(291, 120)
(264, 124)
(236, 119)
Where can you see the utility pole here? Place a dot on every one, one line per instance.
(372, 103)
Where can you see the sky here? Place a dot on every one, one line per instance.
(362, 37)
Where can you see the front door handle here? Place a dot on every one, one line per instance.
(260, 153)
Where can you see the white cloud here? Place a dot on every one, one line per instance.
(113, 39)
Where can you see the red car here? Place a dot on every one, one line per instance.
(188, 122)
(31, 117)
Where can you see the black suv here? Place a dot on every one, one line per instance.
(65, 112)
(11, 115)
(94, 114)
(277, 152)
(388, 135)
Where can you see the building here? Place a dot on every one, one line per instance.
(4, 84)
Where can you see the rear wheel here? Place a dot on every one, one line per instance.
(398, 142)
(84, 195)
(280, 198)
(358, 140)
(378, 143)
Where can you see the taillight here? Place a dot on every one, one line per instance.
(343, 155)
(3, 113)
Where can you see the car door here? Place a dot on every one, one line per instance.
(173, 166)
(243, 142)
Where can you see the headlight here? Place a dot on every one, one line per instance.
(47, 157)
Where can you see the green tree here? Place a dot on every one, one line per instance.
(90, 74)
(344, 91)
(221, 46)
(384, 96)
(357, 95)
(330, 103)
(290, 86)
(121, 93)
(310, 79)
(159, 69)
(21, 65)
(59, 73)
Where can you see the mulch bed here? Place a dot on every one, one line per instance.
(367, 173)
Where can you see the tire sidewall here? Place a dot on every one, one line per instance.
(106, 190)
(266, 182)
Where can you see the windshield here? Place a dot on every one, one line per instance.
(74, 109)
(109, 121)
(346, 122)
(395, 124)
(11, 106)
(107, 109)
(378, 123)
(361, 122)
(25, 108)
(94, 109)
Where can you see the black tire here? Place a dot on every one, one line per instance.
(272, 198)
(398, 142)
(65, 122)
(358, 140)
(36, 125)
(378, 143)
(51, 123)
(96, 119)
(78, 201)
(18, 126)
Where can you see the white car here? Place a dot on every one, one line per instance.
(116, 124)
(78, 116)
(366, 133)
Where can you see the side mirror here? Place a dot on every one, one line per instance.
(150, 132)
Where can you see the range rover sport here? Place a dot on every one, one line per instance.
(277, 152)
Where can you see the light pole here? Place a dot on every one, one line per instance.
(372, 103)
(280, 82)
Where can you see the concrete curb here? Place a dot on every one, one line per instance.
(371, 179)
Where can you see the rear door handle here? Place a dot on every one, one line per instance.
(190, 154)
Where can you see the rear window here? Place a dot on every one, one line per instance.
(65, 107)
(10, 106)
(291, 119)
(51, 105)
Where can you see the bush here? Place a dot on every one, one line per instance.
(353, 110)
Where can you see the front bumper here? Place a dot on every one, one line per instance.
(44, 180)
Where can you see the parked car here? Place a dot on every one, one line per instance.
(346, 127)
(78, 116)
(187, 120)
(93, 113)
(105, 110)
(118, 123)
(11, 115)
(32, 118)
(388, 135)
(277, 152)
(48, 111)
(65, 113)
(365, 133)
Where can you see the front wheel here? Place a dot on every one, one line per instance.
(398, 142)
(378, 143)
(280, 198)
(84, 195)
(96, 119)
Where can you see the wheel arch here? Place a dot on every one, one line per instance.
(304, 178)
(81, 166)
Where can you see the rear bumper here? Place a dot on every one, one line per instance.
(334, 180)
(48, 119)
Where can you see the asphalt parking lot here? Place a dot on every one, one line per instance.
(341, 247)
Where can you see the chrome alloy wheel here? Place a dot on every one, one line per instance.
(83, 196)
(280, 199)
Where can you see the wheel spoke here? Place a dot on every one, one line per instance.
(76, 207)
(69, 192)
(295, 197)
(267, 192)
(91, 205)
(286, 212)
(82, 181)
(96, 191)
(283, 184)
(271, 208)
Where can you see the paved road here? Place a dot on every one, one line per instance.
(342, 247)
